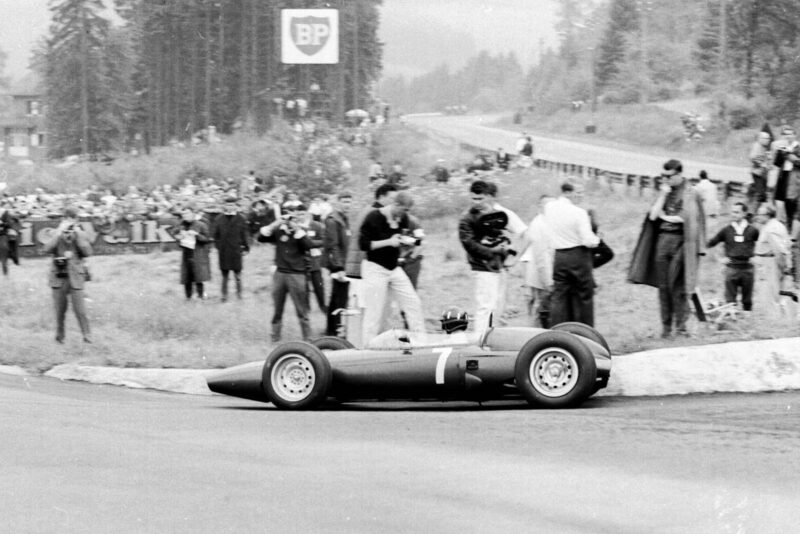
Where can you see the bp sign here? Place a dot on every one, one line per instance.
(310, 36)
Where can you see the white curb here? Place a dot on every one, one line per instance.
(191, 381)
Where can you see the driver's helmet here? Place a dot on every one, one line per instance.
(454, 319)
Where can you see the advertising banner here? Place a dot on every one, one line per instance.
(121, 237)
(310, 36)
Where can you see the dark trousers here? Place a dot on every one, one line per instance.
(739, 276)
(318, 286)
(573, 287)
(757, 192)
(338, 302)
(293, 284)
(191, 281)
(237, 275)
(790, 206)
(671, 281)
(412, 269)
(61, 297)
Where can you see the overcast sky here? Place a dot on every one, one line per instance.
(419, 34)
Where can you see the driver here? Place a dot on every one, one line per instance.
(454, 323)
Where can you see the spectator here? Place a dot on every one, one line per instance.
(759, 155)
(537, 259)
(410, 258)
(9, 231)
(503, 159)
(397, 177)
(773, 246)
(315, 231)
(69, 245)
(291, 246)
(522, 140)
(440, 172)
(337, 238)
(740, 241)
(572, 239)
(527, 148)
(193, 238)
(515, 231)
(375, 171)
(384, 195)
(380, 236)
(709, 198)
(787, 159)
(681, 237)
(232, 242)
(485, 257)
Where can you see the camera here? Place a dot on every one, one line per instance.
(60, 266)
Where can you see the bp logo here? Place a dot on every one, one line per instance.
(310, 36)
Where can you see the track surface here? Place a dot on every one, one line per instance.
(86, 458)
(476, 130)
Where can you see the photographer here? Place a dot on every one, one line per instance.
(193, 237)
(486, 252)
(787, 160)
(292, 243)
(69, 245)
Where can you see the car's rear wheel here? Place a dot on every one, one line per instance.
(555, 370)
(583, 330)
(332, 343)
(296, 376)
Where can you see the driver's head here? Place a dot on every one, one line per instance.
(454, 319)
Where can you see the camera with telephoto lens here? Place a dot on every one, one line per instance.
(60, 266)
(492, 230)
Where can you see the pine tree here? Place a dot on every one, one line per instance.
(623, 21)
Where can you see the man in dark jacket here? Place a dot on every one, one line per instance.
(69, 245)
(193, 238)
(740, 243)
(485, 260)
(337, 238)
(9, 232)
(291, 246)
(230, 238)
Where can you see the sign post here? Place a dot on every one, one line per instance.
(310, 36)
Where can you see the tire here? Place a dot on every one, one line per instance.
(332, 343)
(296, 376)
(583, 330)
(555, 370)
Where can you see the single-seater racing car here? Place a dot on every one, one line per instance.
(552, 368)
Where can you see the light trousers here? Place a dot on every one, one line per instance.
(379, 287)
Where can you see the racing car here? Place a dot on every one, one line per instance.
(551, 368)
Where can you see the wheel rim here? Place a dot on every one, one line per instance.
(293, 377)
(553, 372)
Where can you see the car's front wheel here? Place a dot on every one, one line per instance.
(555, 370)
(296, 376)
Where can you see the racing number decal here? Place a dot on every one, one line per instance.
(444, 353)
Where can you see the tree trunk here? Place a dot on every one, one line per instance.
(84, 46)
(207, 88)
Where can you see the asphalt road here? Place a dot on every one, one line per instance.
(477, 130)
(86, 458)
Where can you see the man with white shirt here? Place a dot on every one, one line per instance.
(740, 242)
(572, 239)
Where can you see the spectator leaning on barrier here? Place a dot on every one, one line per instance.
(380, 236)
(740, 241)
(572, 239)
(193, 238)
(291, 246)
(337, 239)
(680, 221)
(69, 245)
(232, 242)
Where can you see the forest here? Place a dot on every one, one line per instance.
(159, 71)
(741, 53)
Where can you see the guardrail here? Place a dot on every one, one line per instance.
(641, 184)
